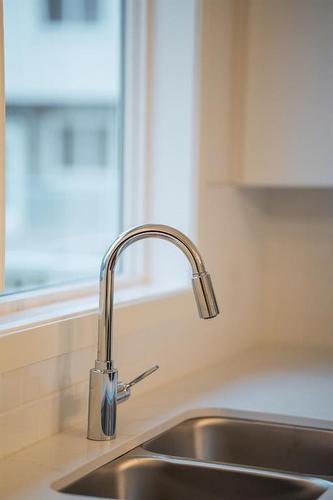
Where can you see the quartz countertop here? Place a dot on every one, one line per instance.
(284, 383)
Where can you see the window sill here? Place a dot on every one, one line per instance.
(57, 329)
(85, 306)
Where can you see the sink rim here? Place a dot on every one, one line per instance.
(128, 443)
(221, 420)
(253, 421)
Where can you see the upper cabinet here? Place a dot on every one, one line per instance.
(282, 103)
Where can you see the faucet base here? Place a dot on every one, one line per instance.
(102, 404)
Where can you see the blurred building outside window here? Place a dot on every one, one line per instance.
(64, 102)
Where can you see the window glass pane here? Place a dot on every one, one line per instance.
(64, 135)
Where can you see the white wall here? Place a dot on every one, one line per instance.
(233, 244)
(298, 278)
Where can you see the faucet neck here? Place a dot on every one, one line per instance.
(105, 320)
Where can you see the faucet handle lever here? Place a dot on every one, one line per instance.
(142, 376)
(124, 388)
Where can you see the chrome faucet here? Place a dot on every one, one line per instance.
(105, 391)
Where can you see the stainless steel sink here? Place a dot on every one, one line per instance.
(271, 446)
(150, 478)
(215, 458)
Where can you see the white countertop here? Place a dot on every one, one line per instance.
(283, 383)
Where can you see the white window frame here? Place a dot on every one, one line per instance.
(142, 124)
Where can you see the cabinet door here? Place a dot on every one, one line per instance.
(286, 115)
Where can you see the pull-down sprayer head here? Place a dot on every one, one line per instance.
(205, 296)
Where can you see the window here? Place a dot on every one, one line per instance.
(58, 228)
(73, 10)
(64, 107)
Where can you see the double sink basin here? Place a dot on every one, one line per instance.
(219, 458)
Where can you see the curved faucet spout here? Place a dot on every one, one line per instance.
(105, 391)
(202, 286)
